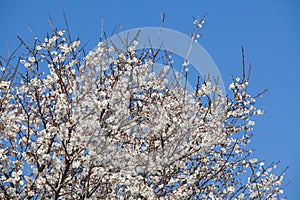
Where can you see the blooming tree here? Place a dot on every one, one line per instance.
(104, 125)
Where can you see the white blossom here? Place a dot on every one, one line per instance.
(107, 126)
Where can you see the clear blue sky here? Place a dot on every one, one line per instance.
(269, 30)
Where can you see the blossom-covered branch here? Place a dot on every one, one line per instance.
(105, 125)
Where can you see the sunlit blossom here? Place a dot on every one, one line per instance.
(107, 126)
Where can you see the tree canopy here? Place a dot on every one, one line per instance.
(105, 125)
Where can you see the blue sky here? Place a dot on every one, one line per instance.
(269, 30)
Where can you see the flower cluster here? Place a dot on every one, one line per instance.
(105, 125)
